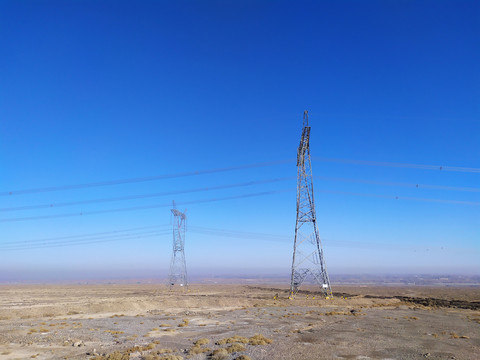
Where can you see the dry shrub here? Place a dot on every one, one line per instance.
(243, 357)
(219, 354)
(114, 356)
(164, 357)
(184, 323)
(235, 348)
(114, 332)
(454, 335)
(233, 340)
(259, 339)
(202, 341)
(133, 349)
(197, 350)
(475, 318)
(170, 357)
(330, 313)
(164, 351)
(137, 348)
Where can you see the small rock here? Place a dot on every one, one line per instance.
(78, 343)
(426, 355)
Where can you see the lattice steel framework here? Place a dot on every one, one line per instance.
(178, 266)
(307, 249)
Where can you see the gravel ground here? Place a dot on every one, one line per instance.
(152, 322)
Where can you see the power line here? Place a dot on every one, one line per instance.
(237, 234)
(411, 185)
(37, 244)
(143, 196)
(459, 202)
(129, 231)
(288, 238)
(263, 193)
(399, 165)
(144, 207)
(127, 234)
(234, 168)
(85, 241)
(141, 179)
(243, 184)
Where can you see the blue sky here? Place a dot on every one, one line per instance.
(95, 91)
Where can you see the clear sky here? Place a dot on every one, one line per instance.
(98, 91)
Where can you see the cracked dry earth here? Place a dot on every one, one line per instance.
(153, 322)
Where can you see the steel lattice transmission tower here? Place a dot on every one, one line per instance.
(307, 249)
(178, 266)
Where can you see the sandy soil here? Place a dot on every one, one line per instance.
(155, 322)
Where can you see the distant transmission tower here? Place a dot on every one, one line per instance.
(307, 249)
(178, 266)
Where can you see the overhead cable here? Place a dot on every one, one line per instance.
(399, 165)
(144, 196)
(107, 234)
(221, 187)
(82, 242)
(143, 207)
(233, 168)
(142, 179)
(400, 184)
(460, 202)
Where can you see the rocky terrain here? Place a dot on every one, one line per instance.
(237, 322)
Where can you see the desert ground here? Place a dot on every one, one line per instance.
(148, 321)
